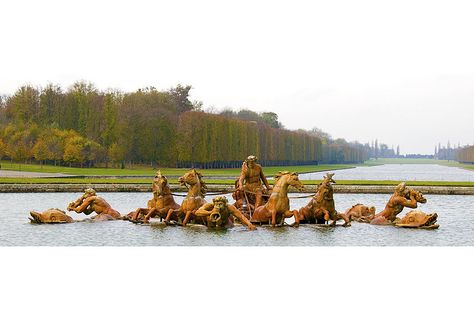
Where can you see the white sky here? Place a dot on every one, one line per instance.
(399, 71)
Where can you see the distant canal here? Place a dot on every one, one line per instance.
(456, 215)
(402, 172)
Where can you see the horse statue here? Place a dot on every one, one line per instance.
(193, 201)
(278, 206)
(161, 203)
(321, 208)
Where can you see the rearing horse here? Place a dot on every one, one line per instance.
(161, 203)
(321, 207)
(278, 206)
(194, 198)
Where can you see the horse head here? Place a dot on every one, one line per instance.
(160, 184)
(290, 178)
(193, 178)
(328, 178)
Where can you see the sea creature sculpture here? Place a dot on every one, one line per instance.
(418, 219)
(50, 216)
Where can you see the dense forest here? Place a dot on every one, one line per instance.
(83, 126)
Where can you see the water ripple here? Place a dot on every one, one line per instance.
(401, 172)
(456, 215)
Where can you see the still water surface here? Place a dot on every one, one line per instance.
(402, 172)
(456, 218)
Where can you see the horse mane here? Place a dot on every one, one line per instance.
(203, 188)
(322, 189)
(166, 189)
(203, 184)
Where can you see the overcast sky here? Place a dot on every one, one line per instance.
(399, 71)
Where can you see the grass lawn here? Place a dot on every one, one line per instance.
(148, 181)
(176, 172)
(461, 165)
(148, 171)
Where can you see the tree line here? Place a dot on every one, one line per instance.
(26, 143)
(465, 154)
(462, 154)
(83, 126)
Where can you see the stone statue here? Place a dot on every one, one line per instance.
(240, 199)
(278, 206)
(321, 208)
(161, 203)
(418, 219)
(50, 216)
(221, 214)
(400, 198)
(89, 202)
(360, 213)
(194, 198)
(250, 182)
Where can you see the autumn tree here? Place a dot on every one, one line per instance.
(271, 118)
(116, 152)
(3, 149)
(51, 109)
(40, 151)
(85, 125)
(180, 97)
(74, 150)
(23, 106)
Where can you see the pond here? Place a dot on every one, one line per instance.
(401, 172)
(456, 215)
